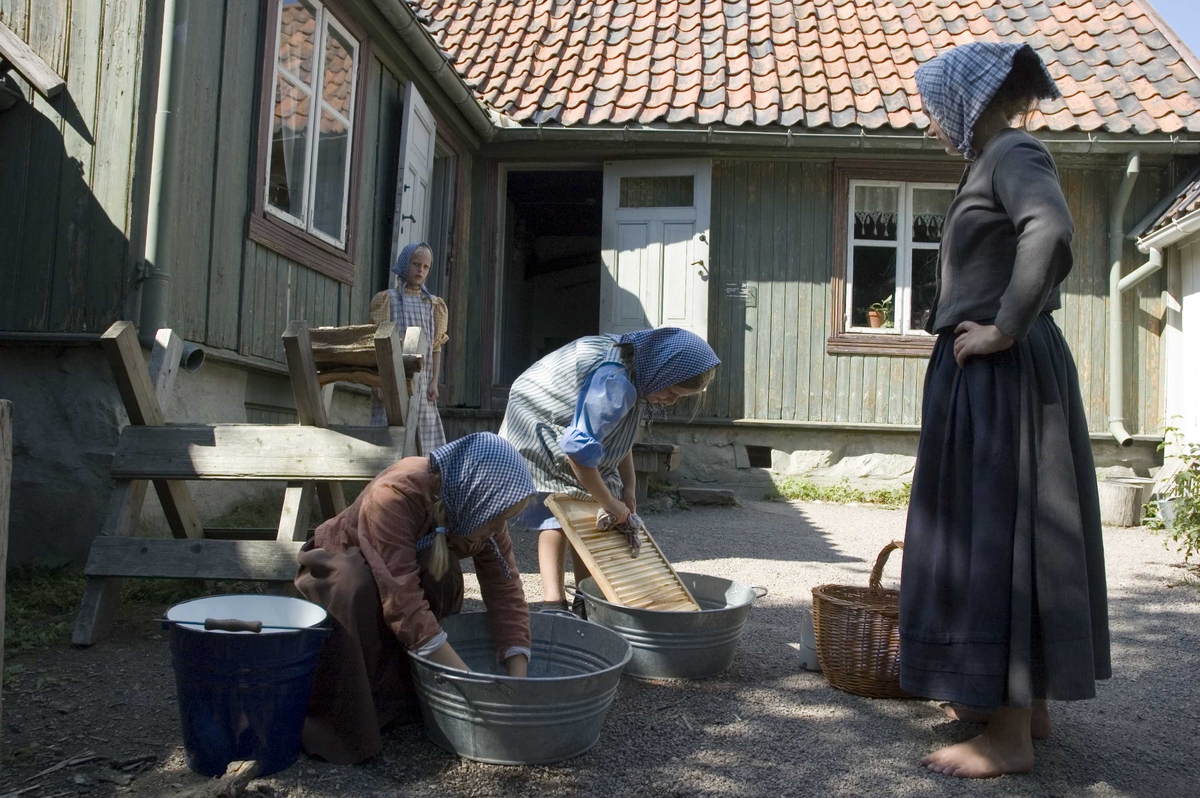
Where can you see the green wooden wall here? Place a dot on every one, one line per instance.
(230, 292)
(772, 226)
(67, 168)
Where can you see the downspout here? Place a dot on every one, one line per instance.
(1116, 341)
(164, 163)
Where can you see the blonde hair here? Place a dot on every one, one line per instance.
(439, 552)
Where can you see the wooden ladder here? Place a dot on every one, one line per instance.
(170, 455)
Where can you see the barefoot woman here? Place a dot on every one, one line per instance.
(1004, 602)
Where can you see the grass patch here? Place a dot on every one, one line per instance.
(42, 601)
(803, 489)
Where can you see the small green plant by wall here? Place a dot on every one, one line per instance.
(1176, 512)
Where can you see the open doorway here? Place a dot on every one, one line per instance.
(551, 266)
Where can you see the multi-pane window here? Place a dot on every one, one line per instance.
(312, 121)
(894, 230)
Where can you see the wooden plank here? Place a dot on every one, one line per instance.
(282, 452)
(415, 342)
(174, 497)
(6, 409)
(69, 287)
(15, 136)
(302, 369)
(791, 271)
(191, 210)
(249, 560)
(110, 264)
(120, 345)
(37, 72)
(236, 123)
(297, 509)
(641, 582)
(393, 384)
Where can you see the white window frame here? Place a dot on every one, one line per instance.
(904, 246)
(326, 20)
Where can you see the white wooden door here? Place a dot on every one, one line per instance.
(414, 181)
(654, 243)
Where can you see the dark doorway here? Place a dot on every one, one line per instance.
(550, 281)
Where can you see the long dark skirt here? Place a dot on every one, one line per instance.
(362, 682)
(1003, 596)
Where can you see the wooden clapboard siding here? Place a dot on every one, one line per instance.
(771, 229)
(66, 166)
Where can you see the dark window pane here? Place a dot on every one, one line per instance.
(874, 285)
(875, 210)
(658, 192)
(924, 283)
(329, 193)
(929, 213)
(289, 156)
(297, 38)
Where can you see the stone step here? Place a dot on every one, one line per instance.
(718, 497)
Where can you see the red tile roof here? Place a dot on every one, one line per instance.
(1184, 201)
(809, 63)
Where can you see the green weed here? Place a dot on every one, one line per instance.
(803, 489)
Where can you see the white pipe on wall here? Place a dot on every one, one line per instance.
(1116, 342)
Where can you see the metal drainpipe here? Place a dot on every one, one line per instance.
(164, 158)
(1116, 343)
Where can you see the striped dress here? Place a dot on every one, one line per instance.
(541, 405)
(413, 310)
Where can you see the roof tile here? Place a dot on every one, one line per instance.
(802, 62)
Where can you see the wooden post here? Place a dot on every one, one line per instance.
(414, 344)
(390, 359)
(145, 391)
(310, 407)
(5, 494)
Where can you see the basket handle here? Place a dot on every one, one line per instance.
(881, 561)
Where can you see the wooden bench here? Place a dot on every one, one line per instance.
(171, 455)
(653, 458)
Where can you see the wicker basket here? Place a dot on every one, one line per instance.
(858, 634)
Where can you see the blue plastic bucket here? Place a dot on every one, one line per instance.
(243, 695)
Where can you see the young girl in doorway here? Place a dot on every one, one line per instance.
(387, 570)
(1004, 603)
(410, 304)
(574, 415)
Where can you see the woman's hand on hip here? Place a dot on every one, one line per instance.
(978, 339)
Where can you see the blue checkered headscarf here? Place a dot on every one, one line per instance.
(400, 267)
(667, 356)
(957, 86)
(482, 477)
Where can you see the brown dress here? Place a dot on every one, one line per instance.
(364, 569)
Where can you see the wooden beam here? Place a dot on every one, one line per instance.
(310, 409)
(5, 494)
(174, 497)
(256, 451)
(414, 344)
(120, 344)
(250, 560)
(297, 507)
(393, 384)
(31, 66)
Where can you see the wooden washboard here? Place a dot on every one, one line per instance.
(646, 582)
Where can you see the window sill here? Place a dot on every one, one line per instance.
(282, 238)
(880, 344)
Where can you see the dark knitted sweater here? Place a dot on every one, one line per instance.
(1007, 240)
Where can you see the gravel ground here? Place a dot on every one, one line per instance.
(765, 728)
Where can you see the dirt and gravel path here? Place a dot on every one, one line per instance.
(765, 728)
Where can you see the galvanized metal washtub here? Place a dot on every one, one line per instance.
(679, 645)
(554, 714)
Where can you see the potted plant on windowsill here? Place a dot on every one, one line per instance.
(879, 314)
(1177, 509)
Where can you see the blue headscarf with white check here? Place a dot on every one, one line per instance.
(482, 477)
(667, 356)
(400, 267)
(957, 86)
